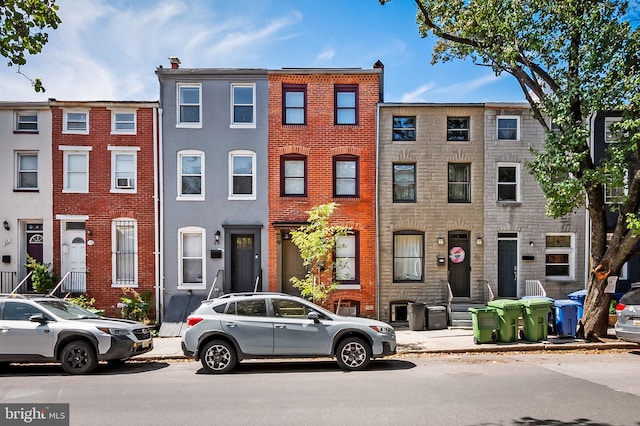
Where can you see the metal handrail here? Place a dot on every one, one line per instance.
(213, 285)
(255, 288)
(492, 296)
(59, 283)
(24, 280)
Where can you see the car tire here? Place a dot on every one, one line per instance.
(78, 357)
(353, 354)
(218, 356)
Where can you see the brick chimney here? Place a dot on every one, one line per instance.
(175, 62)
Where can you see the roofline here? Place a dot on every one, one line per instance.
(512, 105)
(160, 70)
(106, 104)
(23, 105)
(320, 71)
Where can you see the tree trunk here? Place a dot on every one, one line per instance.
(596, 307)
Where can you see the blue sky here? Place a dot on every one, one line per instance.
(109, 49)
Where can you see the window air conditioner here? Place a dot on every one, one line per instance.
(124, 183)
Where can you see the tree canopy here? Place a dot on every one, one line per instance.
(23, 30)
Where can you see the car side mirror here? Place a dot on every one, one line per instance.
(314, 316)
(38, 318)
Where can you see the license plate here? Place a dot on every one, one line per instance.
(146, 343)
(636, 322)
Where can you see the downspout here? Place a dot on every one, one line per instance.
(377, 214)
(155, 214)
(587, 222)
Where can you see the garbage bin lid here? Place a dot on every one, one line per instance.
(579, 293)
(505, 304)
(566, 302)
(536, 301)
(482, 309)
(436, 308)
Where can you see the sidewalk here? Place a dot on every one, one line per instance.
(450, 340)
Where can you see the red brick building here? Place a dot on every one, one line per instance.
(322, 148)
(103, 188)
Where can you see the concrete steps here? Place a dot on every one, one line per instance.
(460, 317)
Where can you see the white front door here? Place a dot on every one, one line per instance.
(74, 260)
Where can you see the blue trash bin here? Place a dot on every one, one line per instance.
(579, 297)
(566, 317)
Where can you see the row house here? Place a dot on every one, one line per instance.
(25, 215)
(322, 149)
(103, 198)
(460, 220)
(214, 193)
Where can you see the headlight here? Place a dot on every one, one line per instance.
(382, 329)
(114, 331)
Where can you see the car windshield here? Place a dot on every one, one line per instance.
(67, 310)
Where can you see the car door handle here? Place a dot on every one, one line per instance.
(231, 324)
(280, 326)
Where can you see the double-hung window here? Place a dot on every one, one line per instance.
(508, 182)
(347, 255)
(611, 135)
(459, 183)
(404, 183)
(559, 256)
(76, 122)
(508, 128)
(123, 168)
(189, 105)
(404, 129)
(191, 257)
(346, 103)
(408, 256)
(123, 122)
(458, 129)
(27, 171)
(76, 168)
(293, 175)
(190, 175)
(294, 104)
(345, 176)
(243, 105)
(124, 252)
(242, 175)
(26, 122)
(614, 194)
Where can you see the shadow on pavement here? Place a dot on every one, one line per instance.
(531, 421)
(308, 366)
(54, 369)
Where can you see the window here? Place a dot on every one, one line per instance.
(508, 180)
(248, 308)
(615, 194)
(623, 275)
(191, 249)
(347, 308)
(243, 111)
(459, 183)
(404, 129)
(283, 308)
(346, 104)
(508, 128)
(294, 100)
(189, 101)
(123, 168)
(124, 253)
(27, 170)
(345, 170)
(293, 181)
(26, 122)
(457, 129)
(408, 256)
(559, 256)
(76, 122)
(18, 311)
(242, 179)
(76, 168)
(404, 183)
(611, 135)
(347, 255)
(190, 175)
(123, 122)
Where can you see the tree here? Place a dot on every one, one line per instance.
(572, 58)
(317, 243)
(23, 29)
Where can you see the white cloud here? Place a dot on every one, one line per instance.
(456, 92)
(326, 55)
(417, 94)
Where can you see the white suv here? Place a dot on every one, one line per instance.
(238, 326)
(37, 328)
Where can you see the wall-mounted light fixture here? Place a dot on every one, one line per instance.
(479, 241)
(217, 237)
(531, 243)
(89, 231)
(440, 241)
(6, 225)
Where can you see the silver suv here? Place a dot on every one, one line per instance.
(37, 328)
(239, 326)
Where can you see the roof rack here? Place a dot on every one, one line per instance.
(252, 293)
(27, 295)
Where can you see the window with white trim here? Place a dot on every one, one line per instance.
(76, 169)
(191, 258)
(76, 122)
(189, 103)
(614, 194)
(508, 128)
(508, 182)
(190, 175)
(124, 252)
(243, 105)
(26, 122)
(123, 169)
(559, 256)
(26, 170)
(611, 135)
(123, 122)
(347, 262)
(242, 175)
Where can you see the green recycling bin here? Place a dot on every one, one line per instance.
(535, 318)
(509, 312)
(485, 324)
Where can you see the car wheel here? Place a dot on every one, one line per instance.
(218, 356)
(78, 358)
(353, 354)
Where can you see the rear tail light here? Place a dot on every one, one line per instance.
(191, 321)
(620, 306)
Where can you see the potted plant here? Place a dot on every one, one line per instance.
(613, 317)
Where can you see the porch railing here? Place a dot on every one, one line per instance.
(534, 288)
(71, 283)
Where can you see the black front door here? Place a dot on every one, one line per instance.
(507, 266)
(243, 276)
(459, 264)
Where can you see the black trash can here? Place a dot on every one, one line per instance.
(416, 316)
